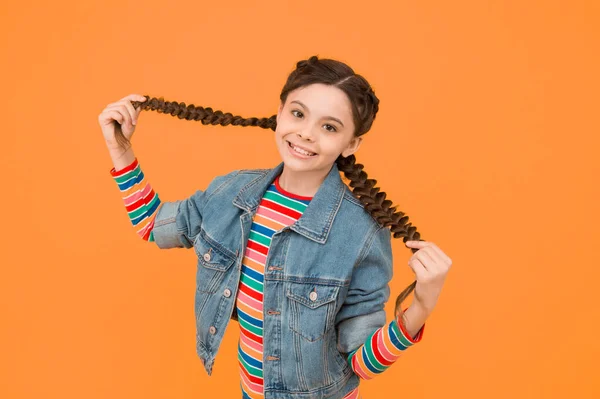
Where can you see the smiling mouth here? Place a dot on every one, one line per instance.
(300, 151)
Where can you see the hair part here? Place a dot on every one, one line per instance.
(365, 105)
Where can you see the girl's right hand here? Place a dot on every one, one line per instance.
(120, 118)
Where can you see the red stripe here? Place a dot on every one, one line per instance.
(281, 209)
(376, 352)
(251, 335)
(126, 169)
(257, 247)
(256, 380)
(140, 202)
(149, 230)
(250, 292)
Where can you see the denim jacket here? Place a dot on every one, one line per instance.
(336, 249)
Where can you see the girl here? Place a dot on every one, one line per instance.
(299, 260)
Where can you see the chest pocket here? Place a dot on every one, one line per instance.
(213, 261)
(312, 308)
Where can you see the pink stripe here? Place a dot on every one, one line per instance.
(147, 224)
(139, 193)
(352, 394)
(249, 301)
(276, 216)
(385, 352)
(256, 256)
(395, 351)
(358, 365)
(253, 290)
(250, 384)
(254, 345)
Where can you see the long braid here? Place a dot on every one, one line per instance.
(364, 189)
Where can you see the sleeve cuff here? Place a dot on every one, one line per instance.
(406, 336)
(128, 168)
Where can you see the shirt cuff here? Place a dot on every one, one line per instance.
(128, 168)
(404, 336)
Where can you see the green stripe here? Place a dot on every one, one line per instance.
(252, 370)
(350, 356)
(371, 356)
(400, 336)
(254, 236)
(128, 175)
(144, 208)
(250, 327)
(251, 283)
(285, 201)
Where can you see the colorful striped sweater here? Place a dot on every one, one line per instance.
(278, 208)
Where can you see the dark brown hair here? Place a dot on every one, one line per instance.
(365, 105)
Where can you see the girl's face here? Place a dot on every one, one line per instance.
(317, 119)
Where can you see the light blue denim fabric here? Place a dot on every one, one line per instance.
(335, 249)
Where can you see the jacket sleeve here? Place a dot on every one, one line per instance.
(362, 319)
(169, 224)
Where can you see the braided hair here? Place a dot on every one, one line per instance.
(365, 105)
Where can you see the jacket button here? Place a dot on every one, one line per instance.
(313, 296)
(207, 257)
(227, 292)
(212, 330)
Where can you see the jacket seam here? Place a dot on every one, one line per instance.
(222, 185)
(367, 246)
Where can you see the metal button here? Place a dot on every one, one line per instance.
(313, 296)
(207, 257)
(227, 292)
(212, 330)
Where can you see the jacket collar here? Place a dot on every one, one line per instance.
(316, 220)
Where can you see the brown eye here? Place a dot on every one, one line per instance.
(296, 111)
(334, 129)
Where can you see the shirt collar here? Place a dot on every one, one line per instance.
(317, 219)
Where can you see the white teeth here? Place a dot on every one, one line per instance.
(301, 151)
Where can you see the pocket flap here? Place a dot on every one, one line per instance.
(311, 295)
(212, 255)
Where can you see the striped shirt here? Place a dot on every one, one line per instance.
(277, 209)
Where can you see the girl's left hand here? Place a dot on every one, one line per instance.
(431, 266)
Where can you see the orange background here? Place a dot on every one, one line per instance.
(487, 137)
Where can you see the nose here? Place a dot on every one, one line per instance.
(306, 135)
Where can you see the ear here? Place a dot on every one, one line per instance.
(352, 147)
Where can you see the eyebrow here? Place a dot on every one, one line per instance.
(328, 117)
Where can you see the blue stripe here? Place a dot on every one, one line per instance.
(368, 362)
(265, 231)
(393, 338)
(244, 394)
(251, 320)
(253, 273)
(151, 210)
(134, 179)
(250, 360)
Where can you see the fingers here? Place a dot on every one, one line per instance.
(132, 112)
(433, 259)
(116, 115)
(133, 97)
(121, 108)
(426, 260)
(432, 246)
(418, 268)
